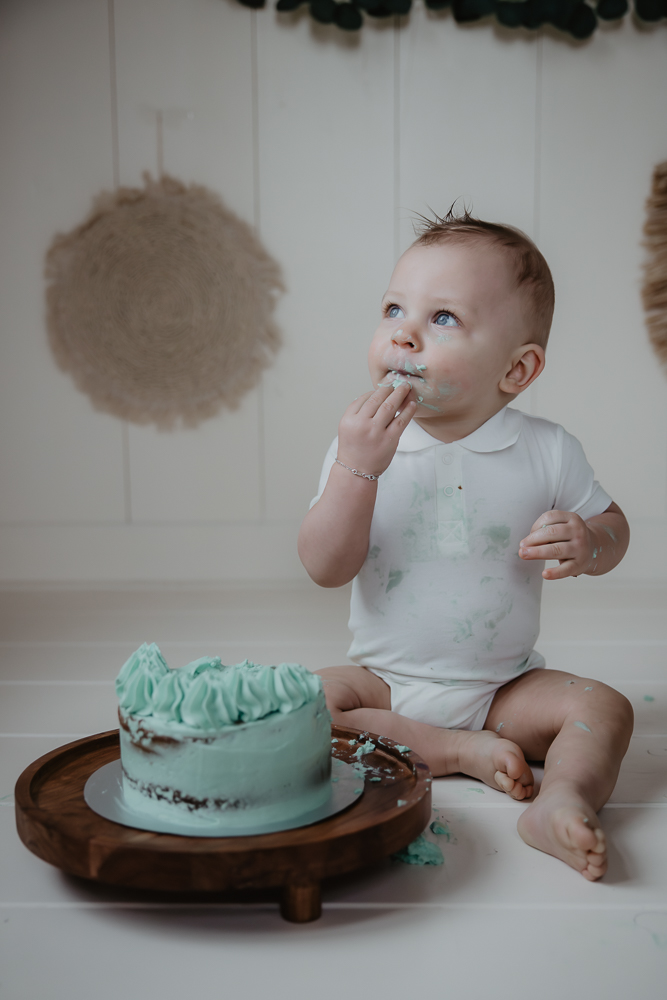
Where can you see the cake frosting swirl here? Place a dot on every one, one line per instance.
(206, 694)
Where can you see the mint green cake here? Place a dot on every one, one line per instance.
(245, 744)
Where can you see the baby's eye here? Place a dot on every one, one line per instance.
(446, 319)
(394, 312)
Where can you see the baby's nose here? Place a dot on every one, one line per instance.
(405, 336)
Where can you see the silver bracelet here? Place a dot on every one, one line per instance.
(355, 472)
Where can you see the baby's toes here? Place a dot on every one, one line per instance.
(597, 858)
(509, 758)
(514, 788)
(504, 781)
(601, 846)
(596, 867)
(513, 763)
(583, 837)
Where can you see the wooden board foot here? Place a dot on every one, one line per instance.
(301, 903)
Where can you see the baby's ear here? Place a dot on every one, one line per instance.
(526, 364)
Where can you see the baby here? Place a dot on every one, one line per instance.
(442, 503)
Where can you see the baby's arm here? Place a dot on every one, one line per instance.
(333, 540)
(593, 547)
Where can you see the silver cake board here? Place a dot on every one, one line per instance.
(103, 793)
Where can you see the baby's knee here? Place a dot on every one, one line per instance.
(350, 687)
(340, 696)
(610, 703)
(622, 708)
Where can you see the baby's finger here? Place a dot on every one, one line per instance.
(546, 536)
(567, 568)
(357, 403)
(401, 421)
(375, 399)
(555, 550)
(557, 528)
(387, 409)
(549, 518)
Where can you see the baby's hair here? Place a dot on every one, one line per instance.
(531, 270)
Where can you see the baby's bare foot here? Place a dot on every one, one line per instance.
(499, 763)
(562, 823)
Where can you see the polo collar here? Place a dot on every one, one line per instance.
(500, 431)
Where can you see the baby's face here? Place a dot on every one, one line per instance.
(451, 321)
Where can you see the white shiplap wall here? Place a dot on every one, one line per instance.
(326, 142)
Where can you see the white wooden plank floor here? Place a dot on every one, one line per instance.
(497, 919)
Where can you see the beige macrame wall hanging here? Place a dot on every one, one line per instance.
(654, 290)
(160, 304)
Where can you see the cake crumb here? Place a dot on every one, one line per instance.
(420, 852)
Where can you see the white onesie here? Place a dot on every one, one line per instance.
(443, 609)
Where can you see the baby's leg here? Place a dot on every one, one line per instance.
(581, 729)
(356, 697)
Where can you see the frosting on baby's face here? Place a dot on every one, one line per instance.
(453, 324)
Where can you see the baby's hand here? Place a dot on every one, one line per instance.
(563, 536)
(370, 428)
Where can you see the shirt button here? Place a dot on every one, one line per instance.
(449, 490)
(447, 458)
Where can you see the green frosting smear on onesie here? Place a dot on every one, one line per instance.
(498, 538)
(395, 577)
(420, 852)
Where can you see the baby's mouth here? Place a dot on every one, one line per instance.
(398, 375)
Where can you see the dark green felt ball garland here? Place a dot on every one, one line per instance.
(576, 17)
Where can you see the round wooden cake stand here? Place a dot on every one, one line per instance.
(55, 823)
